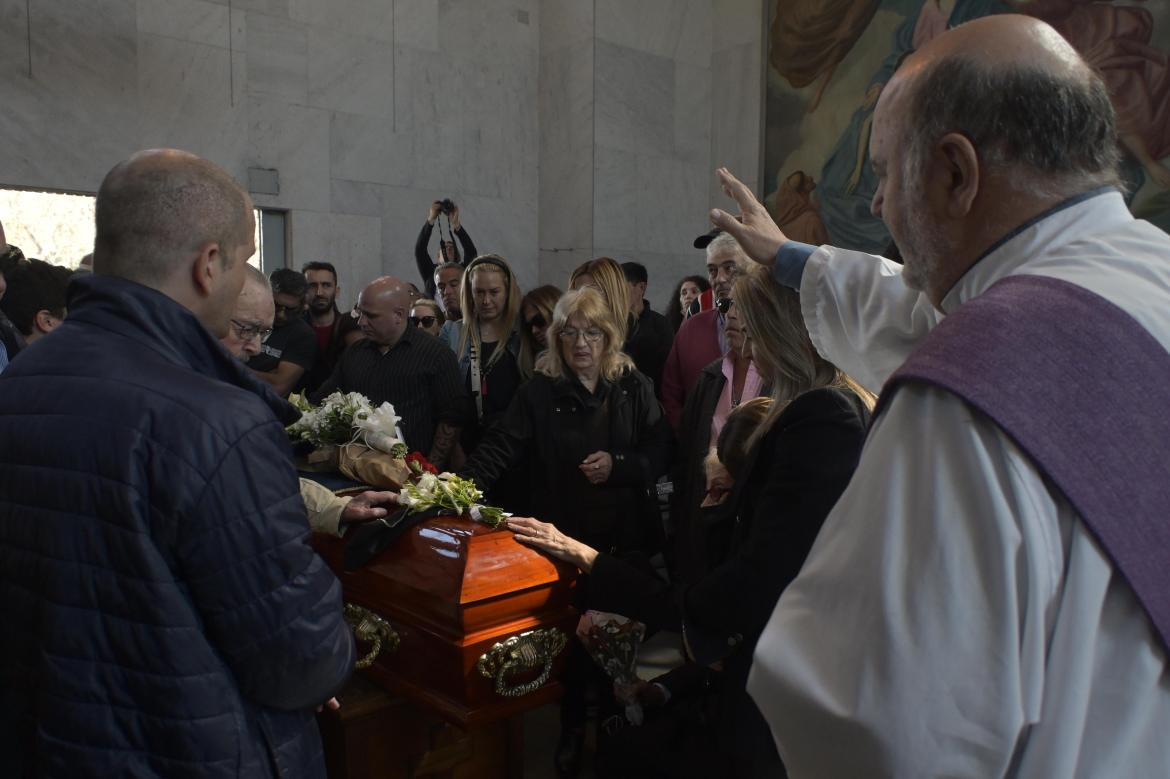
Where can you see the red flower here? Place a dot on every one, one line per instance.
(419, 464)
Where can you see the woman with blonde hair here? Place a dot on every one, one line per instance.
(644, 346)
(795, 463)
(536, 311)
(598, 442)
(489, 340)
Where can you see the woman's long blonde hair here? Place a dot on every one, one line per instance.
(780, 345)
(588, 305)
(470, 336)
(611, 280)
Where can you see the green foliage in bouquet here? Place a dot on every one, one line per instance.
(345, 418)
(447, 491)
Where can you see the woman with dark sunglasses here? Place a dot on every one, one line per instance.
(536, 313)
(426, 315)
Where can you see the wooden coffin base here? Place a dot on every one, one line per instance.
(376, 735)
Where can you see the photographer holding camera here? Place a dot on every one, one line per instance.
(448, 251)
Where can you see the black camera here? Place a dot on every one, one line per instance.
(447, 206)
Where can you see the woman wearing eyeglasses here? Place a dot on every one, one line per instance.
(426, 315)
(597, 439)
(796, 462)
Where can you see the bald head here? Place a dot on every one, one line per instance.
(985, 127)
(161, 206)
(1021, 94)
(384, 309)
(253, 316)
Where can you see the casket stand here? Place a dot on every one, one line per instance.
(481, 622)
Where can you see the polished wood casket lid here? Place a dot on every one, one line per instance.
(453, 588)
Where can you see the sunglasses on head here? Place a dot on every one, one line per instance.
(425, 321)
(536, 321)
(723, 305)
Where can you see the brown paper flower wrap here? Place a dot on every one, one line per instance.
(369, 466)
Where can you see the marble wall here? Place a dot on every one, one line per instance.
(564, 128)
(639, 103)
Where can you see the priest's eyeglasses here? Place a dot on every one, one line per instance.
(723, 305)
(246, 332)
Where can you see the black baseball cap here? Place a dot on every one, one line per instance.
(703, 240)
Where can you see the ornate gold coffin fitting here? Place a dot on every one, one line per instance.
(482, 621)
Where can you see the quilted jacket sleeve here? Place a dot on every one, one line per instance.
(270, 605)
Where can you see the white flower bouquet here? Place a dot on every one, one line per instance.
(431, 489)
(347, 418)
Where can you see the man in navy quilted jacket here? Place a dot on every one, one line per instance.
(162, 612)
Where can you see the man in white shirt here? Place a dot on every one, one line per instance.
(956, 616)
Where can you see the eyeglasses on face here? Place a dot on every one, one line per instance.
(247, 332)
(723, 305)
(592, 335)
(425, 321)
(537, 321)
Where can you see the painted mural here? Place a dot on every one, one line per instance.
(828, 61)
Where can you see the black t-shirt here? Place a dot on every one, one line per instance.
(295, 342)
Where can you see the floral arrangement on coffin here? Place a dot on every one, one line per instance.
(347, 418)
(428, 488)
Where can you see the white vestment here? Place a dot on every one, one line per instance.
(955, 618)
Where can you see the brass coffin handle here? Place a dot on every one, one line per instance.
(532, 649)
(368, 626)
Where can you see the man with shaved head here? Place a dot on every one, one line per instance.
(989, 596)
(396, 363)
(164, 613)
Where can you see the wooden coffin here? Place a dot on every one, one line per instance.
(453, 590)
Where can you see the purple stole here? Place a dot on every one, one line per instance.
(1084, 391)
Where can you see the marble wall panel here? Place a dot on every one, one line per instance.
(499, 32)
(195, 21)
(736, 103)
(634, 100)
(615, 198)
(671, 203)
(356, 197)
(352, 73)
(364, 148)
(692, 112)
(737, 23)
(369, 18)
(14, 44)
(416, 24)
(77, 115)
(270, 7)
(564, 23)
(352, 243)
(185, 98)
(649, 26)
(294, 140)
(278, 57)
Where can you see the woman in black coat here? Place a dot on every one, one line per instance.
(595, 440)
(801, 457)
(595, 436)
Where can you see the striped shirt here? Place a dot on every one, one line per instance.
(419, 376)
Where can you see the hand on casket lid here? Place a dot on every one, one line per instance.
(367, 541)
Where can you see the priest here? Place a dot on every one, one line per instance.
(989, 596)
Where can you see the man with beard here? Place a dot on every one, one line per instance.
(701, 340)
(989, 595)
(291, 349)
(334, 330)
(448, 282)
